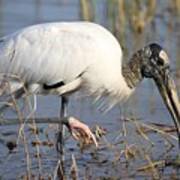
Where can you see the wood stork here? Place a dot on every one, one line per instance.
(61, 58)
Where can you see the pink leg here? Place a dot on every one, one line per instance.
(76, 127)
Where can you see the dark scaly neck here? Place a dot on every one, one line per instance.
(132, 70)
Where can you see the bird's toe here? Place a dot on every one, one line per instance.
(80, 131)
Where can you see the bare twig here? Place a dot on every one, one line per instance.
(154, 129)
(74, 169)
(15, 121)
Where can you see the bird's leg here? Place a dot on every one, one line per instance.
(60, 138)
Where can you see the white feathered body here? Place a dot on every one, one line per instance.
(55, 52)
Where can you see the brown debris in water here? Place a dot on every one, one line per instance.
(11, 145)
(42, 143)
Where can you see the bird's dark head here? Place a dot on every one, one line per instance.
(154, 61)
(155, 65)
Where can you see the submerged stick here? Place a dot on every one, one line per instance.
(15, 121)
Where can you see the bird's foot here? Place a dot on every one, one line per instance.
(80, 131)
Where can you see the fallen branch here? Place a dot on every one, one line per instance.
(15, 121)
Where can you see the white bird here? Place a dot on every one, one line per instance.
(61, 58)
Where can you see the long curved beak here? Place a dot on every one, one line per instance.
(168, 92)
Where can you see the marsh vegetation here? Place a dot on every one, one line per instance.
(136, 140)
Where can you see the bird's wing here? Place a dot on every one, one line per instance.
(43, 54)
(60, 52)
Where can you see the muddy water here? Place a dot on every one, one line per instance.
(145, 105)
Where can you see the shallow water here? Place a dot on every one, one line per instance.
(145, 104)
